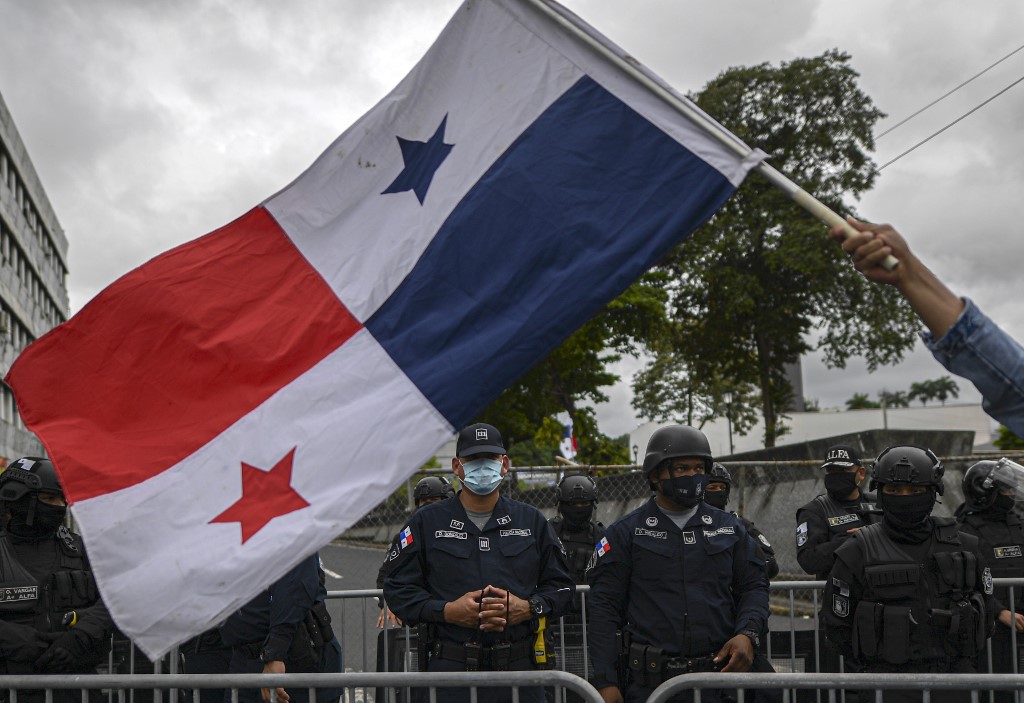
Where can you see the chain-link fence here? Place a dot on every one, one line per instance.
(766, 492)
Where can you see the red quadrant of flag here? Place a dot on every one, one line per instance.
(202, 335)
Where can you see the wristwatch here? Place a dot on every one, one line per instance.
(754, 637)
(536, 606)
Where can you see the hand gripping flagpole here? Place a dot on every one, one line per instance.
(568, 21)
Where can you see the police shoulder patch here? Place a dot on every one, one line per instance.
(840, 605)
(986, 580)
(801, 534)
(764, 540)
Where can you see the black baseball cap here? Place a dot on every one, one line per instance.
(842, 455)
(480, 438)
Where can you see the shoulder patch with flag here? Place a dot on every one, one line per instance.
(405, 537)
(214, 385)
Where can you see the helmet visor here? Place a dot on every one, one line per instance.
(1009, 475)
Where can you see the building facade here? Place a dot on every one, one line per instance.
(33, 274)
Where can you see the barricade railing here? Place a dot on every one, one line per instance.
(745, 684)
(355, 686)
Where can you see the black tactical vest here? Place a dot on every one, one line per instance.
(43, 599)
(579, 546)
(1002, 544)
(920, 601)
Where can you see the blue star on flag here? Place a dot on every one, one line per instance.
(422, 159)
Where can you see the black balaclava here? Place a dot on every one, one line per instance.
(717, 499)
(576, 518)
(840, 484)
(906, 517)
(34, 520)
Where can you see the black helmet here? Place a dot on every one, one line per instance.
(32, 474)
(983, 481)
(578, 488)
(676, 441)
(433, 487)
(915, 466)
(719, 474)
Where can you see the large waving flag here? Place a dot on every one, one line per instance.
(238, 401)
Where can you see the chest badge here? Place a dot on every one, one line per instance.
(706, 519)
(485, 544)
(456, 525)
(652, 522)
(689, 538)
(504, 520)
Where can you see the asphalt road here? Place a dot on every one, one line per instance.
(353, 567)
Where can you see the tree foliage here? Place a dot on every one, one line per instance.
(1007, 439)
(861, 401)
(761, 276)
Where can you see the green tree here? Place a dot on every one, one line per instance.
(945, 387)
(923, 391)
(571, 378)
(1007, 439)
(860, 401)
(752, 284)
(894, 399)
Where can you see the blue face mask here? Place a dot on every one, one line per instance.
(482, 476)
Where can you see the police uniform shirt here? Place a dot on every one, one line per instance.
(763, 545)
(824, 523)
(686, 591)
(441, 555)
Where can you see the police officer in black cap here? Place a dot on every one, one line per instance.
(990, 492)
(52, 620)
(575, 525)
(828, 520)
(716, 494)
(683, 581)
(484, 573)
(429, 489)
(912, 593)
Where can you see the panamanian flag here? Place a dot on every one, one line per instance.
(568, 446)
(235, 403)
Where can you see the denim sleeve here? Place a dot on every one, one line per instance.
(977, 349)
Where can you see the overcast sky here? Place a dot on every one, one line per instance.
(151, 123)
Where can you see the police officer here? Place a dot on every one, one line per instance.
(485, 574)
(682, 580)
(286, 628)
(990, 490)
(828, 520)
(52, 620)
(429, 489)
(716, 494)
(575, 525)
(909, 594)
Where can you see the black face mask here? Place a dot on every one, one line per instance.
(576, 517)
(717, 499)
(840, 485)
(907, 514)
(684, 491)
(1002, 504)
(45, 518)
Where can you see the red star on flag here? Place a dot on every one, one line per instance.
(265, 496)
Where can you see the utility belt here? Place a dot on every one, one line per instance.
(649, 666)
(484, 657)
(307, 643)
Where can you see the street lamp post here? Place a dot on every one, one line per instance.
(728, 417)
(636, 454)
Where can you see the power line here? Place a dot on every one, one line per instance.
(958, 119)
(943, 97)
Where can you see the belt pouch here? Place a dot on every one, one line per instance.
(896, 630)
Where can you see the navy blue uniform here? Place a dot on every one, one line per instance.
(686, 592)
(442, 555)
(276, 624)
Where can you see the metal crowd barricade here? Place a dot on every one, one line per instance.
(355, 685)
(745, 684)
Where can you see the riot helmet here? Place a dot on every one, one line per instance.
(432, 488)
(906, 464)
(676, 441)
(718, 498)
(577, 496)
(21, 485)
(985, 481)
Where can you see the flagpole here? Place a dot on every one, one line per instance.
(798, 195)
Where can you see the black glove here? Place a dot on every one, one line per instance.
(65, 652)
